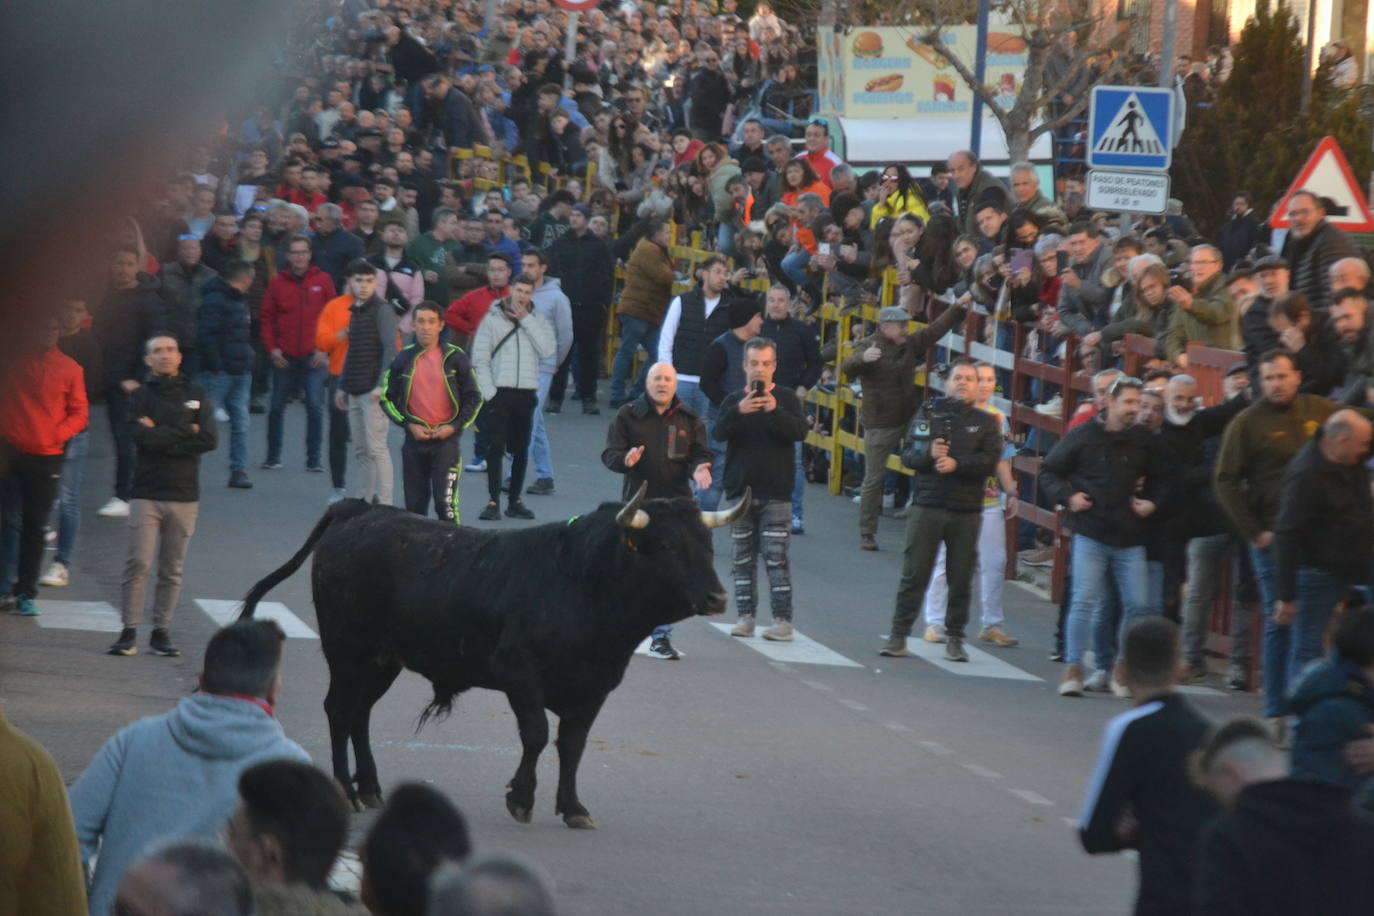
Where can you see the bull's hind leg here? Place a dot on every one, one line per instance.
(534, 737)
(573, 727)
(375, 683)
(339, 708)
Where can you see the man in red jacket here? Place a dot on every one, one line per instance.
(290, 312)
(45, 406)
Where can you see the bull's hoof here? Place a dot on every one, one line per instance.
(369, 800)
(580, 821)
(521, 813)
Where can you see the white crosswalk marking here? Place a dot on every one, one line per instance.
(226, 612)
(97, 616)
(979, 664)
(802, 649)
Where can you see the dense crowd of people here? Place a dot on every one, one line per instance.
(367, 243)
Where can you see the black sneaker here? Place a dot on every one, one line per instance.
(662, 648)
(517, 510)
(589, 408)
(127, 642)
(553, 407)
(315, 468)
(161, 644)
(541, 487)
(492, 513)
(239, 480)
(954, 650)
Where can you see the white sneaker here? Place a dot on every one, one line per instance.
(1121, 690)
(115, 508)
(935, 633)
(221, 415)
(56, 576)
(337, 494)
(1054, 407)
(889, 500)
(1099, 682)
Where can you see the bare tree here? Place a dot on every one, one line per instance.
(1070, 46)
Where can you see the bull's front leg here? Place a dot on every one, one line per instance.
(573, 727)
(534, 737)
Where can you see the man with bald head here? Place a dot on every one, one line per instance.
(1312, 247)
(1324, 535)
(657, 441)
(1351, 273)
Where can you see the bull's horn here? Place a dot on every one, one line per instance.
(727, 516)
(631, 516)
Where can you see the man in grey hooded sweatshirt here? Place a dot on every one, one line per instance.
(175, 776)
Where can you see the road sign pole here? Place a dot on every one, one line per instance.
(1166, 51)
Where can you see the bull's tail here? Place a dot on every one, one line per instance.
(340, 511)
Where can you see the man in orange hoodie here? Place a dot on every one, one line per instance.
(331, 338)
(45, 405)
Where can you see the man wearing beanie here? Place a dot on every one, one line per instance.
(722, 368)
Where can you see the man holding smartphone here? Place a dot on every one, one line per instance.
(760, 426)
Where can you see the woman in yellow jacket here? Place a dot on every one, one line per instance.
(898, 195)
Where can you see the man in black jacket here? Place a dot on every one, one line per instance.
(954, 449)
(1284, 846)
(430, 392)
(128, 315)
(1142, 795)
(709, 92)
(1324, 535)
(1312, 246)
(799, 368)
(656, 440)
(582, 262)
(1241, 232)
(171, 423)
(760, 427)
(1199, 528)
(226, 358)
(1095, 471)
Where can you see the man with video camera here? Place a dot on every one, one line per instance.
(953, 448)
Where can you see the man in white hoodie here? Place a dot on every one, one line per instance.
(551, 303)
(175, 776)
(506, 353)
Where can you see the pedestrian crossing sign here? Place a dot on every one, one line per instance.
(1130, 127)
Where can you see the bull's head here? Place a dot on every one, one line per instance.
(673, 536)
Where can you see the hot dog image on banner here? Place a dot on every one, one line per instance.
(889, 73)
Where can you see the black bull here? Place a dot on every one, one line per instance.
(548, 615)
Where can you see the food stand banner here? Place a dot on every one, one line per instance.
(889, 74)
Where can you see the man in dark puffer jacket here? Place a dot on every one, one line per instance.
(226, 354)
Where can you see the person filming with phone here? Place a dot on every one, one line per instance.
(760, 425)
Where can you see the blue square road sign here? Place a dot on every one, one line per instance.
(1131, 127)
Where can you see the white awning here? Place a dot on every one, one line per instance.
(925, 141)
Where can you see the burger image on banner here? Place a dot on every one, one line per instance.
(868, 44)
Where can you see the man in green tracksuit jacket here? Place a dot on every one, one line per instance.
(431, 392)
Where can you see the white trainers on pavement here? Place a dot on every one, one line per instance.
(56, 576)
(115, 508)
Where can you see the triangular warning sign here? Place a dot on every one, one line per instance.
(1327, 174)
(1130, 132)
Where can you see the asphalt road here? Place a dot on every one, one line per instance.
(810, 778)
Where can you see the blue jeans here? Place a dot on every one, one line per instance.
(690, 393)
(298, 369)
(795, 264)
(230, 393)
(1318, 592)
(634, 333)
(1093, 564)
(1278, 638)
(540, 455)
(11, 523)
(69, 495)
(798, 485)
